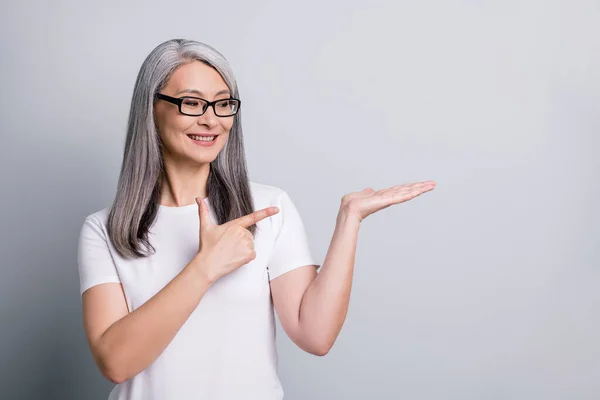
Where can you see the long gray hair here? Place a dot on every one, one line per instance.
(136, 202)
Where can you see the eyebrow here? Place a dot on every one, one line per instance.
(199, 93)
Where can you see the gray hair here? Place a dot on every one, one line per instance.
(136, 202)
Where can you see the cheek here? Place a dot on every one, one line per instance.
(162, 123)
(227, 124)
(172, 128)
(227, 132)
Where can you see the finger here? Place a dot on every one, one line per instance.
(424, 187)
(420, 187)
(410, 192)
(414, 185)
(425, 184)
(251, 219)
(396, 189)
(402, 196)
(203, 214)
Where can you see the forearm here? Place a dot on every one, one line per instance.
(325, 303)
(132, 343)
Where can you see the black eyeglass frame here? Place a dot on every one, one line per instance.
(179, 101)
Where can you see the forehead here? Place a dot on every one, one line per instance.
(196, 75)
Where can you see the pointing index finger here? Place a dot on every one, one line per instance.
(252, 218)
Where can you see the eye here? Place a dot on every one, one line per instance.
(191, 103)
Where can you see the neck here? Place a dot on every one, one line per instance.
(182, 183)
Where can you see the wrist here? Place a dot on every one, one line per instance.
(345, 214)
(347, 217)
(201, 267)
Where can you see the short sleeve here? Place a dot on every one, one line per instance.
(290, 249)
(94, 260)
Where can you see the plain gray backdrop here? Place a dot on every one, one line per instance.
(485, 288)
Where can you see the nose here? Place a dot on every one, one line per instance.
(208, 118)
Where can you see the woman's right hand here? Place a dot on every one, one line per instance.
(225, 248)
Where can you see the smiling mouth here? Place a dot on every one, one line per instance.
(202, 138)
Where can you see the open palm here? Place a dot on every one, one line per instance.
(368, 201)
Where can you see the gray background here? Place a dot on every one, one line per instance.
(486, 288)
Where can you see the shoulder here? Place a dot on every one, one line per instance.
(266, 195)
(98, 218)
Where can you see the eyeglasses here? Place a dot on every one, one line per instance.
(195, 106)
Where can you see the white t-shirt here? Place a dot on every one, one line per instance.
(226, 348)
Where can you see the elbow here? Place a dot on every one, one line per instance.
(110, 371)
(313, 343)
(317, 345)
(320, 349)
(316, 349)
(320, 352)
(110, 363)
(114, 377)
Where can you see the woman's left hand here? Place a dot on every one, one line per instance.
(364, 203)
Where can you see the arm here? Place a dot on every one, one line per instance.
(122, 343)
(312, 307)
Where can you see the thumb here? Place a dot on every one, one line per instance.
(205, 221)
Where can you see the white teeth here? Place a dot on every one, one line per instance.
(203, 138)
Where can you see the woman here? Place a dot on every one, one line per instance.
(180, 276)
